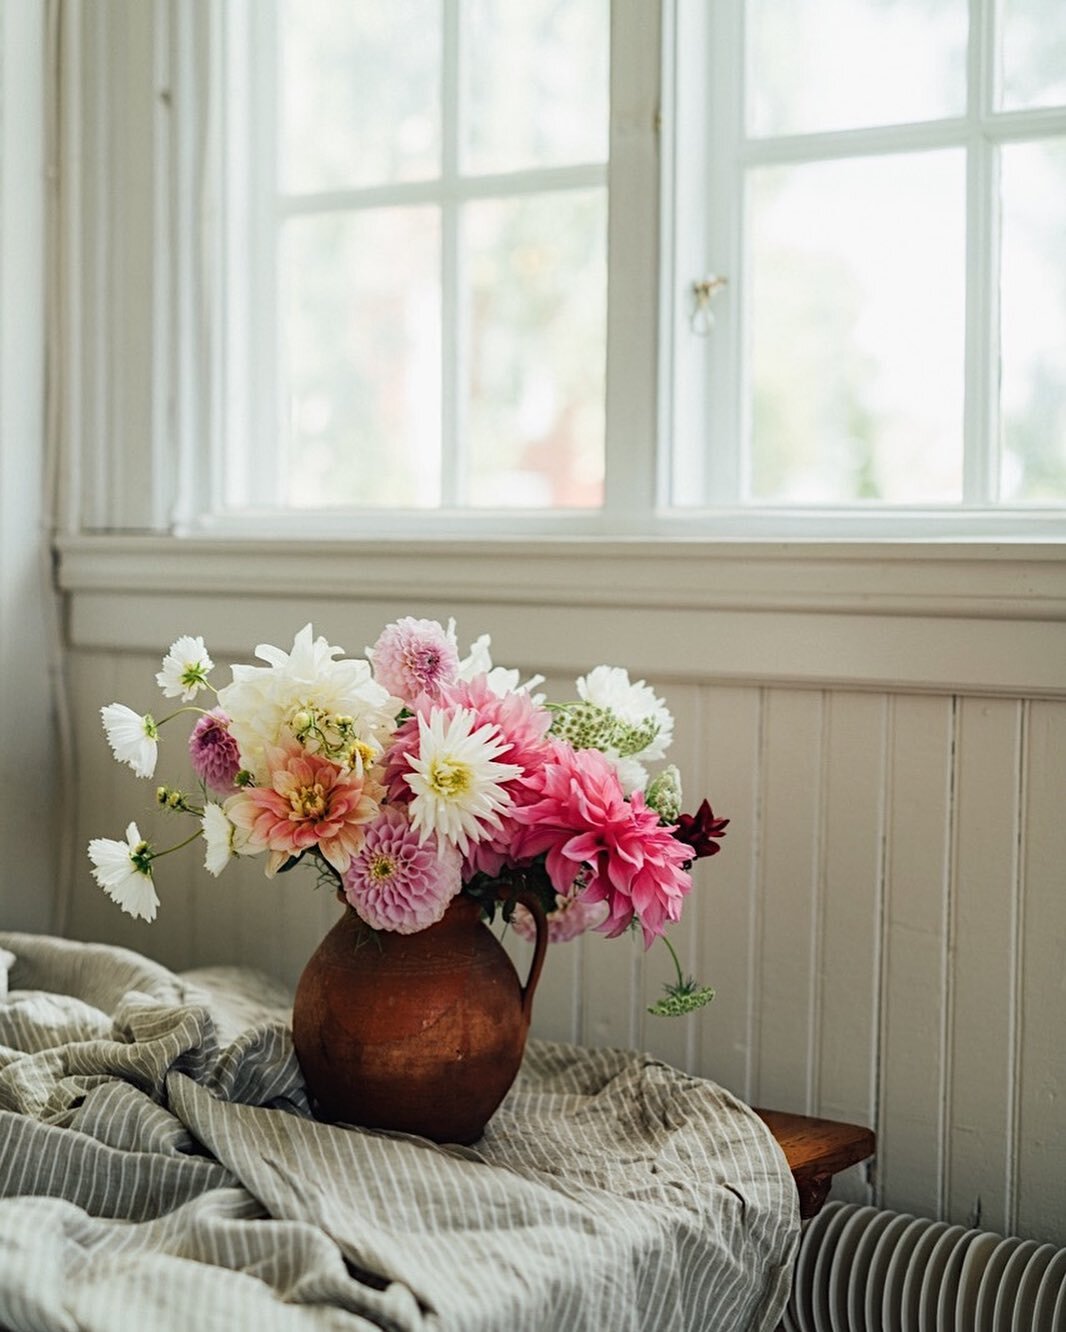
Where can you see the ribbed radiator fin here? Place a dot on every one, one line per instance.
(862, 1269)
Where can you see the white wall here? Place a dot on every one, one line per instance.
(886, 925)
(31, 814)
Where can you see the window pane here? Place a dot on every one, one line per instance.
(360, 92)
(1033, 322)
(857, 329)
(537, 309)
(842, 64)
(361, 358)
(535, 83)
(1034, 53)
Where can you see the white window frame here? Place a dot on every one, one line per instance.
(139, 370)
(705, 155)
(631, 379)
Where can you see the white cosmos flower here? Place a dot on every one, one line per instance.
(218, 834)
(132, 737)
(304, 685)
(456, 782)
(124, 871)
(478, 660)
(503, 680)
(185, 669)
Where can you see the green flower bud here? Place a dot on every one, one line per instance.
(664, 795)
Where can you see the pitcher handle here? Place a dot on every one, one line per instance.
(532, 904)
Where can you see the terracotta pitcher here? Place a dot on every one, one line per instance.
(423, 1033)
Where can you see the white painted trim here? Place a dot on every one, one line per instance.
(856, 523)
(454, 330)
(974, 580)
(27, 663)
(631, 455)
(949, 619)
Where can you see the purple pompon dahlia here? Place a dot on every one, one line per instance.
(216, 760)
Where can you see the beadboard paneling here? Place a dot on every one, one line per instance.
(917, 844)
(1036, 1069)
(885, 925)
(983, 899)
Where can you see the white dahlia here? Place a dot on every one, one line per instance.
(456, 782)
(334, 708)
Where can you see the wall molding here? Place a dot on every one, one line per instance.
(950, 618)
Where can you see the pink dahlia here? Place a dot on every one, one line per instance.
(413, 657)
(216, 760)
(397, 882)
(523, 729)
(310, 804)
(582, 819)
(402, 749)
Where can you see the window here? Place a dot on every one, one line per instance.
(422, 324)
(886, 202)
(828, 296)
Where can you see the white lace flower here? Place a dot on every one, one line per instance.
(185, 669)
(132, 737)
(636, 705)
(218, 834)
(331, 706)
(124, 871)
(456, 779)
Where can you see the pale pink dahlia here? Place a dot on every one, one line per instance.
(310, 803)
(397, 882)
(572, 916)
(413, 657)
(216, 760)
(581, 818)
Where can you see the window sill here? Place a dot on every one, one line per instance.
(947, 617)
(976, 579)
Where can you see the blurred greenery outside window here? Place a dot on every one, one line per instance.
(880, 183)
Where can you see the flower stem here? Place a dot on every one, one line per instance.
(677, 961)
(176, 847)
(177, 713)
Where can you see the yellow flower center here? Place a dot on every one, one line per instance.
(382, 867)
(449, 779)
(308, 802)
(363, 751)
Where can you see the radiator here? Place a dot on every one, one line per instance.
(862, 1269)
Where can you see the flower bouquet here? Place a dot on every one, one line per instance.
(414, 776)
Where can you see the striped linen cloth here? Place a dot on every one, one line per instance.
(159, 1169)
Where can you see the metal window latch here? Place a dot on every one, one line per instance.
(703, 290)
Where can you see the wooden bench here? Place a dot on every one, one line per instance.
(816, 1150)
